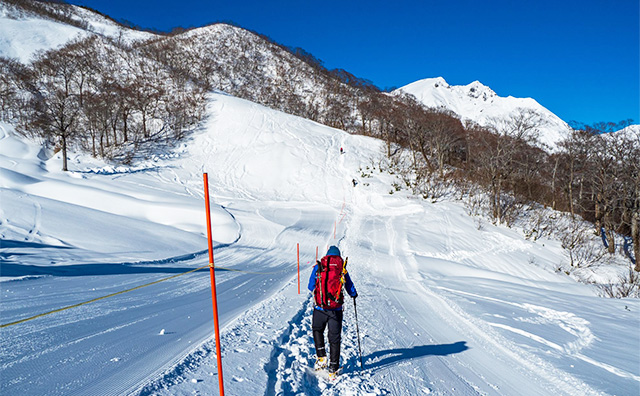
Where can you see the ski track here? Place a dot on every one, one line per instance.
(454, 367)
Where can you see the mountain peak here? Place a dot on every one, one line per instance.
(479, 103)
(435, 82)
(478, 90)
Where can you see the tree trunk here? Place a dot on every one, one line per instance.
(598, 214)
(553, 185)
(144, 125)
(497, 201)
(64, 153)
(635, 237)
(610, 239)
(571, 208)
(125, 127)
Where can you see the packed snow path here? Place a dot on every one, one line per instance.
(444, 308)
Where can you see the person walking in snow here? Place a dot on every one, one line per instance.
(326, 282)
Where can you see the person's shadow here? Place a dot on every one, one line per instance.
(379, 359)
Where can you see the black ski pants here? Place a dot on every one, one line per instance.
(320, 321)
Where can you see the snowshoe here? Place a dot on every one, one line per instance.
(321, 363)
(333, 373)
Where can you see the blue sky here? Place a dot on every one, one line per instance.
(580, 59)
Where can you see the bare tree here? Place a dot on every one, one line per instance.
(56, 105)
(573, 167)
(496, 157)
(9, 88)
(445, 136)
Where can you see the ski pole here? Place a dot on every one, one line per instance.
(355, 310)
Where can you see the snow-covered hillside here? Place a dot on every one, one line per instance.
(23, 33)
(443, 308)
(43, 35)
(631, 133)
(478, 103)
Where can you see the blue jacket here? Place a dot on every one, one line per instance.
(348, 285)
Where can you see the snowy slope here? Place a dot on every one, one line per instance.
(103, 26)
(43, 35)
(478, 103)
(444, 308)
(630, 134)
(23, 34)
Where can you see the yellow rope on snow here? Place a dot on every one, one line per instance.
(125, 291)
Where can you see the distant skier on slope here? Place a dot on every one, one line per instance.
(326, 281)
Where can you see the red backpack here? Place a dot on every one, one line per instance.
(329, 280)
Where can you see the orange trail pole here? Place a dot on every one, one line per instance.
(213, 284)
(298, 245)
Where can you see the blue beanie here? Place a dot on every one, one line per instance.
(333, 251)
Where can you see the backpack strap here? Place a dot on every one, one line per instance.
(324, 283)
(338, 296)
(319, 279)
(344, 272)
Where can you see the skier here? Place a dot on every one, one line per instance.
(326, 281)
(341, 151)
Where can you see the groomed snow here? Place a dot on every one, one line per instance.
(444, 308)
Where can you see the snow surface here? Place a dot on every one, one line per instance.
(22, 36)
(444, 308)
(479, 103)
(100, 25)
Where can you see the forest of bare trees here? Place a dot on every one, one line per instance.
(98, 96)
(594, 176)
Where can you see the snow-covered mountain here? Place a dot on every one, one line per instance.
(218, 56)
(479, 103)
(240, 62)
(251, 66)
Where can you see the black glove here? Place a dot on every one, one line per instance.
(354, 297)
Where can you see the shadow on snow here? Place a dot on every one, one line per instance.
(11, 269)
(13, 244)
(387, 357)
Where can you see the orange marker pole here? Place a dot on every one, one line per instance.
(298, 268)
(213, 284)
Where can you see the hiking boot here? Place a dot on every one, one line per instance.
(334, 372)
(321, 363)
